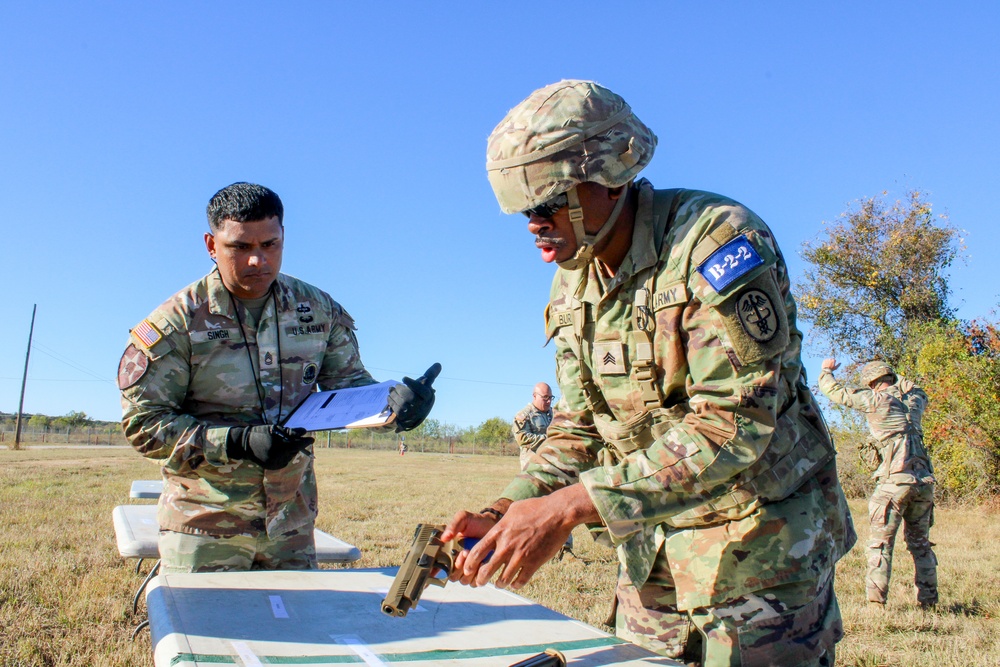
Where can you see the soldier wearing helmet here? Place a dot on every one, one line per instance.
(904, 477)
(686, 434)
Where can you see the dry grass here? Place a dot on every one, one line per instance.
(65, 594)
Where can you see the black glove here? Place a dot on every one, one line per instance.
(270, 447)
(412, 401)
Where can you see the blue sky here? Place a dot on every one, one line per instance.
(118, 121)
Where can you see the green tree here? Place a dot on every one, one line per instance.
(71, 420)
(436, 429)
(875, 273)
(958, 365)
(494, 429)
(39, 422)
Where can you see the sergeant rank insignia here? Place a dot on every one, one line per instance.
(610, 358)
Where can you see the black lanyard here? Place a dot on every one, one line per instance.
(253, 369)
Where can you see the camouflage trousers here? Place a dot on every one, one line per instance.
(790, 625)
(913, 506)
(182, 552)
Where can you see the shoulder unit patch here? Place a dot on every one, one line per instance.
(734, 259)
(757, 314)
(132, 367)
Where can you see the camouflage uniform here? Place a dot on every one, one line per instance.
(685, 411)
(529, 429)
(904, 490)
(686, 415)
(186, 378)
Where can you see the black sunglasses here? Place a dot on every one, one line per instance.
(549, 208)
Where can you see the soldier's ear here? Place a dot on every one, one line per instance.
(210, 245)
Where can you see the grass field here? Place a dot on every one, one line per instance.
(65, 594)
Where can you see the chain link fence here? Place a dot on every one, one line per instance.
(111, 435)
(369, 439)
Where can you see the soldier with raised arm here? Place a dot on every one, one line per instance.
(685, 430)
(904, 477)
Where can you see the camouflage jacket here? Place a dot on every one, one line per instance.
(718, 459)
(530, 425)
(197, 382)
(894, 419)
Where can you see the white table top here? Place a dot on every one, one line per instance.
(334, 617)
(146, 488)
(137, 532)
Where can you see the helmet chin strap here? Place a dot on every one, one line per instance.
(587, 242)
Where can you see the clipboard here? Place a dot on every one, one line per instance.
(350, 407)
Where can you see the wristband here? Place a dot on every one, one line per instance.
(490, 510)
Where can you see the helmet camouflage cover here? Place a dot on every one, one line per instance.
(873, 370)
(562, 135)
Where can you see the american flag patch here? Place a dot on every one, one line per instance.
(147, 334)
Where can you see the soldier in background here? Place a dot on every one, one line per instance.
(686, 429)
(531, 423)
(207, 379)
(529, 427)
(904, 477)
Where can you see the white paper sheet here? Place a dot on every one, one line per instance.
(354, 407)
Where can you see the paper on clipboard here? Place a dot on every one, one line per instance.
(352, 407)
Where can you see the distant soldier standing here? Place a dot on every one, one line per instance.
(904, 490)
(207, 379)
(529, 428)
(685, 426)
(531, 423)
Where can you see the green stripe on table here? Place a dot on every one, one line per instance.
(423, 656)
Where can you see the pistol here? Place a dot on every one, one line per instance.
(427, 555)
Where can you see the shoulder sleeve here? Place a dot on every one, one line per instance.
(915, 397)
(153, 390)
(342, 365)
(858, 398)
(733, 271)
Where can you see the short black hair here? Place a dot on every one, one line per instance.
(243, 202)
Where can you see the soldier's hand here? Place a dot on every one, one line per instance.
(530, 533)
(412, 401)
(466, 524)
(830, 364)
(270, 447)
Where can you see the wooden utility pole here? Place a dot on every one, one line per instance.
(24, 380)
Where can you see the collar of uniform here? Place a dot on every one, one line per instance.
(541, 412)
(219, 300)
(641, 255)
(221, 303)
(284, 293)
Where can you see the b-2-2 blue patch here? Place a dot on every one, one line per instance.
(734, 259)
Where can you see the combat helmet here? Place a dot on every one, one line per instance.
(873, 370)
(562, 135)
